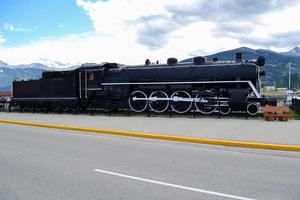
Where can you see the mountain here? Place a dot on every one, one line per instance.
(9, 73)
(3, 64)
(277, 64)
(52, 63)
(32, 66)
(293, 52)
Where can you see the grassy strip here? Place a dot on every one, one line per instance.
(296, 116)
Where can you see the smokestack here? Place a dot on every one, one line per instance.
(239, 57)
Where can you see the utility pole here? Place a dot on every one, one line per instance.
(289, 91)
(289, 76)
(297, 86)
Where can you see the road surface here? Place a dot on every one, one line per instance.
(39, 163)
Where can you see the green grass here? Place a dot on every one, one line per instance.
(296, 116)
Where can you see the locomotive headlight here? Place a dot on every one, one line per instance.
(262, 72)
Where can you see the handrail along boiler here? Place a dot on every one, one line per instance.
(201, 86)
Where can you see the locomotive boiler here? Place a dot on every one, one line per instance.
(200, 86)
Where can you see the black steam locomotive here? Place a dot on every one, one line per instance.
(199, 86)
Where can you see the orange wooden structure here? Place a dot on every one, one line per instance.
(282, 113)
(5, 94)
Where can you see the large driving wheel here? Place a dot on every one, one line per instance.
(181, 102)
(159, 101)
(206, 103)
(138, 101)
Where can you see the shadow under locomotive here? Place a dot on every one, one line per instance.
(201, 86)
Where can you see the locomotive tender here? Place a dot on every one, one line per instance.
(199, 86)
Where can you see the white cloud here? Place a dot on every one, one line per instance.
(12, 28)
(88, 47)
(157, 24)
(2, 39)
(277, 24)
(8, 27)
(129, 31)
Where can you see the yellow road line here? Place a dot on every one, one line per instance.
(230, 143)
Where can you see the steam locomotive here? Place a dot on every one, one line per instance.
(200, 86)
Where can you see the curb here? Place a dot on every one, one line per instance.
(229, 143)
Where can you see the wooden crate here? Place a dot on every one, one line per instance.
(281, 113)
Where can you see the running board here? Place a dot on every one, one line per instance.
(257, 94)
(178, 99)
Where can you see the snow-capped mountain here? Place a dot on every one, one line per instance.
(3, 64)
(293, 52)
(9, 73)
(32, 66)
(41, 63)
(53, 63)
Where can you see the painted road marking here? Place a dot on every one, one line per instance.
(173, 185)
(231, 143)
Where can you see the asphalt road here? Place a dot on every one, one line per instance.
(39, 163)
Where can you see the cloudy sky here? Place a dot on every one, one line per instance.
(129, 31)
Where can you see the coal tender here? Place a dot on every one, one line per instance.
(199, 86)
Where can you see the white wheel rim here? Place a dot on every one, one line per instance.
(152, 96)
(204, 112)
(130, 105)
(252, 104)
(180, 112)
(229, 109)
